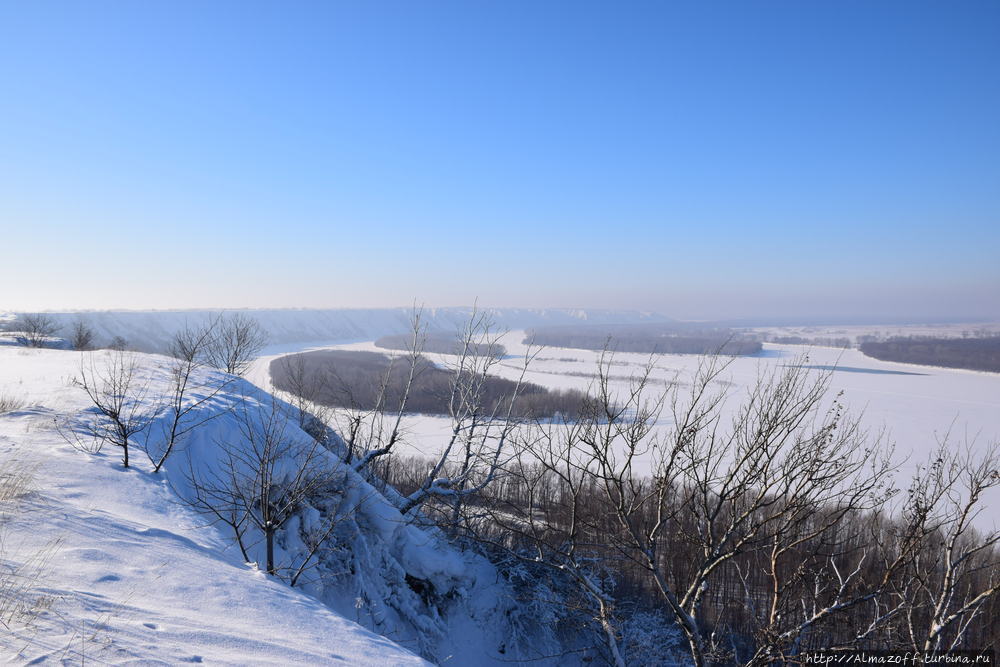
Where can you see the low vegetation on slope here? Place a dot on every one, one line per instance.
(102, 564)
(644, 338)
(978, 354)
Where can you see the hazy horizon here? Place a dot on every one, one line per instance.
(783, 160)
(758, 320)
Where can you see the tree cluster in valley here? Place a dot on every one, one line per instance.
(366, 380)
(439, 343)
(978, 354)
(820, 341)
(646, 338)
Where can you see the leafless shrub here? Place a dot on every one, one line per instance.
(266, 473)
(479, 441)
(188, 398)
(81, 336)
(118, 344)
(951, 584)
(236, 341)
(38, 328)
(9, 403)
(118, 394)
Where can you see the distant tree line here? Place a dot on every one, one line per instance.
(441, 343)
(41, 330)
(842, 342)
(645, 338)
(370, 380)
(979, 354)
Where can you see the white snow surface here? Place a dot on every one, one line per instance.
(133, 576)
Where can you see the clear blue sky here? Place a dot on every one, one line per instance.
(704, 159)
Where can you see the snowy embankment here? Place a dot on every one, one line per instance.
(127, 572)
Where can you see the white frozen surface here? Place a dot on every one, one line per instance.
(913, 405)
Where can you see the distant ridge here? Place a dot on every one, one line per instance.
(151, 330)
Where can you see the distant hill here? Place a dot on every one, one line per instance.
(150, 331)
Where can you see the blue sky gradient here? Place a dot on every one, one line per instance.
(702, 159)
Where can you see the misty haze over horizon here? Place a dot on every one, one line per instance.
(303, 324)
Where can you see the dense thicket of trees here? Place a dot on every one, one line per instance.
(978, 354)
(438, 343)
(645, 338)
(350, 379)
(805, 340)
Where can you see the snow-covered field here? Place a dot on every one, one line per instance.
(127, 573)
(912, 406)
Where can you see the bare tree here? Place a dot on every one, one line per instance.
(81, 336)
(481, 430)
(373, 433)
(546, 516)
(118, 391)
(265, 475)
(118, 343)
(236, 342)
(189, 394)
(776, 511)
(781, 480)
(956, 571)
(38, 328)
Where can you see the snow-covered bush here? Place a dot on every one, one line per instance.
(9, 403)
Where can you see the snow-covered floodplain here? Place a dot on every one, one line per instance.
(912, 407)
(118, 571)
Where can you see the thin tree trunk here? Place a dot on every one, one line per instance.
(270, 550)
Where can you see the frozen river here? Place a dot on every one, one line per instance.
(915, 406)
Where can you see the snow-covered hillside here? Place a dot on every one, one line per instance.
(117, 569)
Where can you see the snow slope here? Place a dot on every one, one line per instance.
(130, 574)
